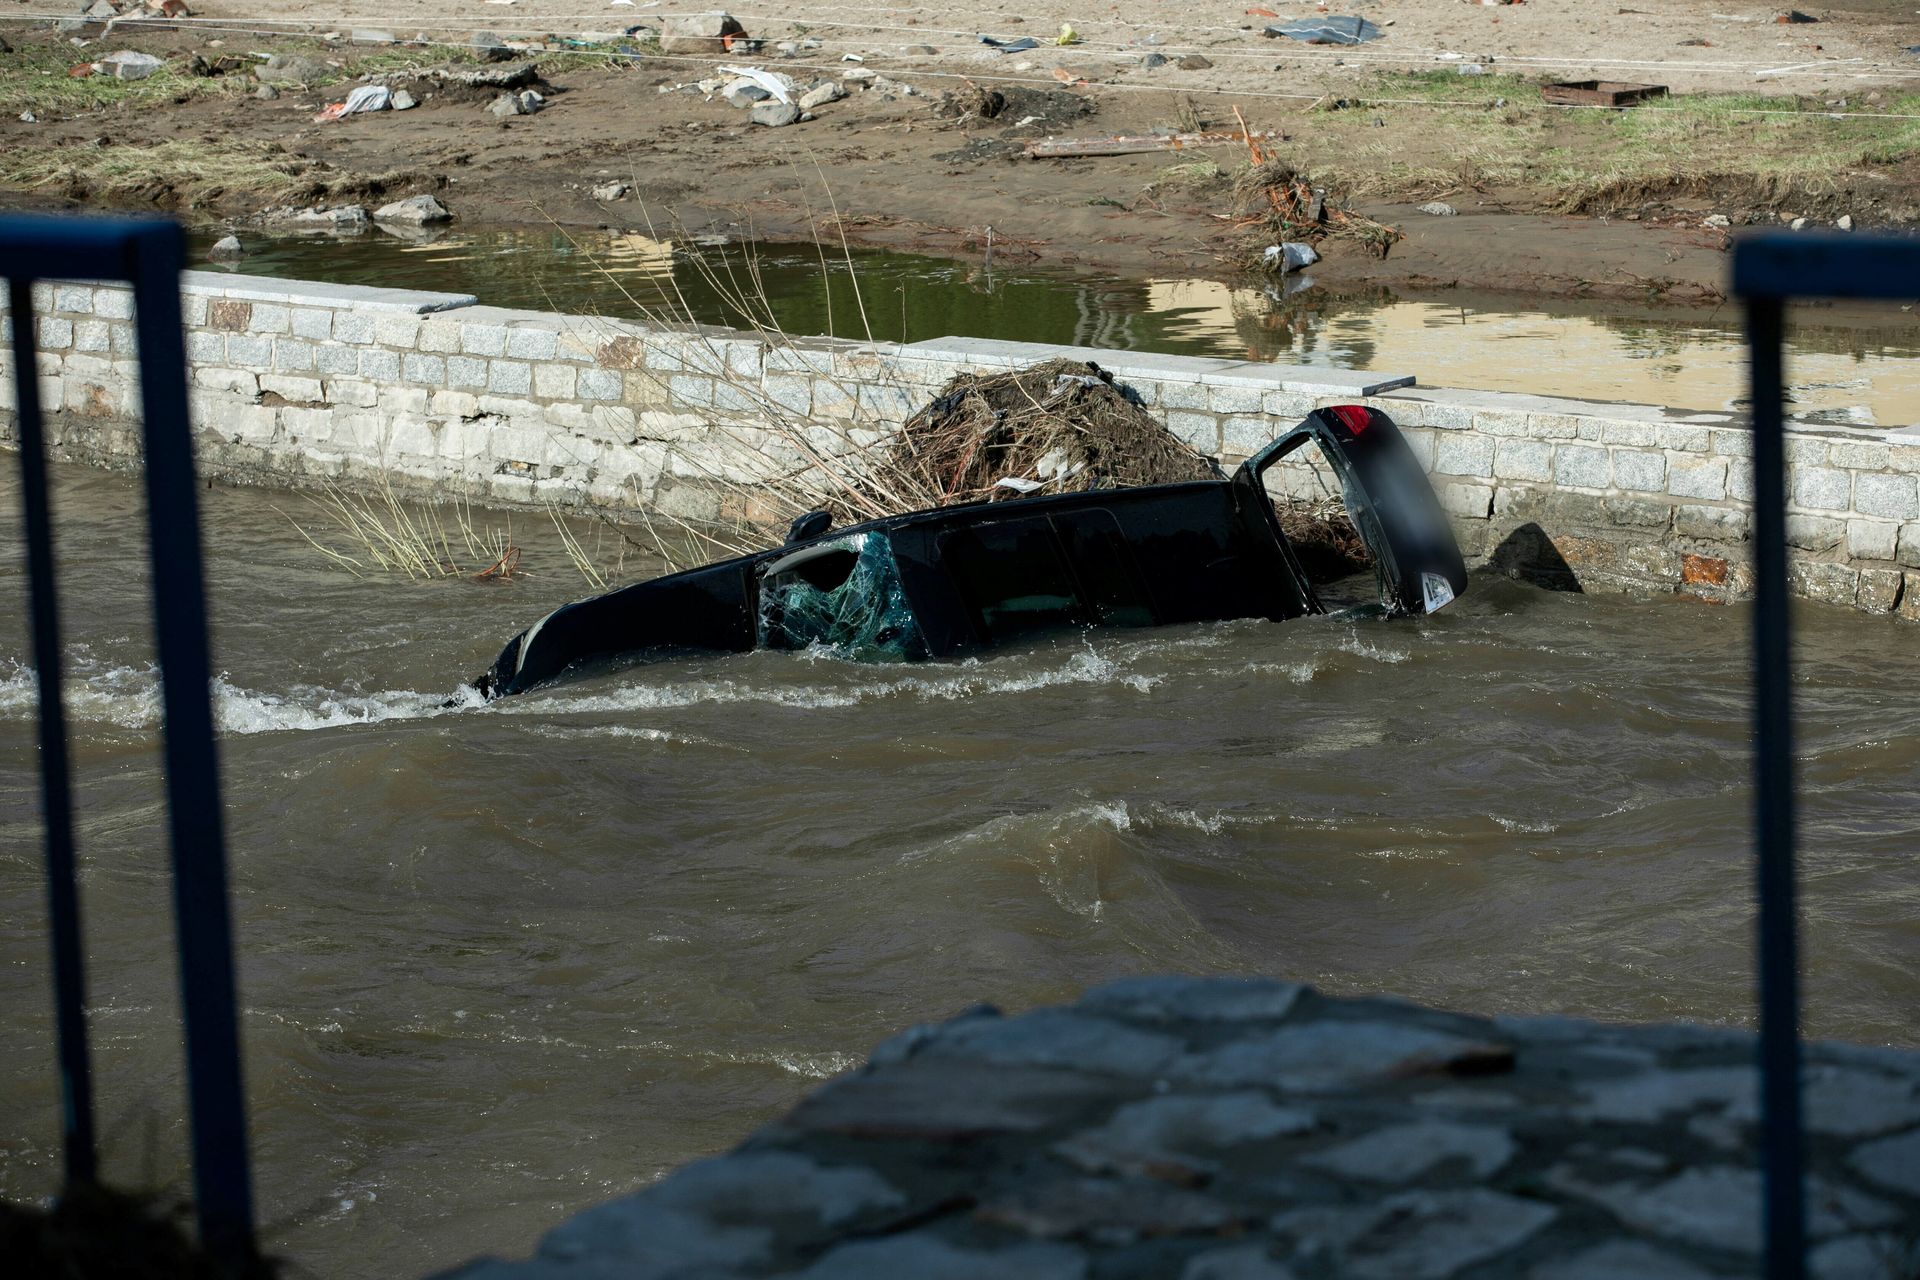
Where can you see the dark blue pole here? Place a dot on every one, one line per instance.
(217, 1100)
(1781, 1140)
(56, 788)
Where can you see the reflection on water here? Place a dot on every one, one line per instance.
(1860, 373)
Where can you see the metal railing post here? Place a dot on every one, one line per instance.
(56, 784)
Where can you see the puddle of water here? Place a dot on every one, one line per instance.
(1854, 370)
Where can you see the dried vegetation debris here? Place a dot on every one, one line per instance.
(1061, 426)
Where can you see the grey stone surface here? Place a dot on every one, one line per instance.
(1057, 1038)
(1179, 1133)
(1892, 1163)
(1236, 1262)
(1330, 1056)
(1417, 1235)
(1404, 1152)
(927, 1257)
(1167, 999)
(1619, 1260)
(774, 114)
(414, 211)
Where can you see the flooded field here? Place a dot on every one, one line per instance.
(501, 963)
(1853, 367)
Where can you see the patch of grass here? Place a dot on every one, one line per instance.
(192, 171)
(34, 78)
(1418, 134)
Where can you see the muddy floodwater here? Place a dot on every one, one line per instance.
(1858, 367)
(500, 963)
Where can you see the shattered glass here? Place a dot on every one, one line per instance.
(843, 595)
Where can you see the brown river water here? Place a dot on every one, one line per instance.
(500, 963)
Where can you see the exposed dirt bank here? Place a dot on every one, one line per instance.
(1583, 202)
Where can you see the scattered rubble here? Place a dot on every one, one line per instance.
(608, 192)
(1193, 62)
(1438, 209)
(489, 47)
(821, 95)
(523, 103)
(700, 33)
(128, 65)
(774, 114)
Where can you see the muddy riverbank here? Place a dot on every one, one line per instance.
(929, 153)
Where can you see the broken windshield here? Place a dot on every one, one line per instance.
(843, 595)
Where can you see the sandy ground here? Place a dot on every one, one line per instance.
(903, 175)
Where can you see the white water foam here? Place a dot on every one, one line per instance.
(129, 698)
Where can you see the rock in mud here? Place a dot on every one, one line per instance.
(1154, 60)
(775, 114)
(128, 65)
(346, 217)
(523, 103)
(489, 47)
(608, 192)
(744, 95)
(404, 101)
(226, 249)
(266, 91)
(1438, 209)
(1193, 62)
(698, 32)
(821, 95)
(1845, 223)
(292, 69)
(415, 211)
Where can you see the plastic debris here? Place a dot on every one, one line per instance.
(1067, 34)
(779, 87)
(368, 97)
(1019, 484)
(1021, 45)
(1291, 256)
(1329, 30)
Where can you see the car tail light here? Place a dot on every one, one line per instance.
(1353, 417)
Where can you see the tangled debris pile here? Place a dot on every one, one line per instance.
(1061, 426)
(1285, 207)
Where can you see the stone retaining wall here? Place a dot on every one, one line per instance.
(295, 382)
(1243, 1129)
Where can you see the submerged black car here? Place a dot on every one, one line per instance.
(959, 580)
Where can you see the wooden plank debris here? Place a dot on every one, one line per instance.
(1133, 144)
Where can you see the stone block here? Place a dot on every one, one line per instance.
(510, 488)
(354, 327)
(1859, 455)
(441, 336)
(354, 393)
(510, 377)
(412, 436)
(380, 365)
(53, 333)
(1815, 533)
(1713, 524)
(1640, 470)
(91, 335)
(1523, 460)
(205, 348)
(1244, 435)
(1200, 430)
(1904, 458)
(297, 390)
(1183, 395)
(1697, 477)
(396, 331)
(1287, 406)
(1908, 550)
(125, 342)
(1637, 513)
(554, 381)
(77, 299)
(1234, 399)
(331, 357)
(312, 322)
(1827, 583)
(1466, 500)
(791, 392)
(1581, 466)
(1909, 606)
(1879, 590)
(1734, 443)
(1638, 435)
(1463, 454)
(427, 370)
(291, 355)
(1424, 443)
(249, 351)
(464, 371)
(1893, 497)
(1822, 488)
(271, 318)
(1683, 437)
(1740, 479)
(114, 303)
(395, 399)
(532, 344)
(1807, 450)
(1703, 571)
(599, 384)
(1872, 539)
(483, 339)
(229, 315)
(240, 382)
